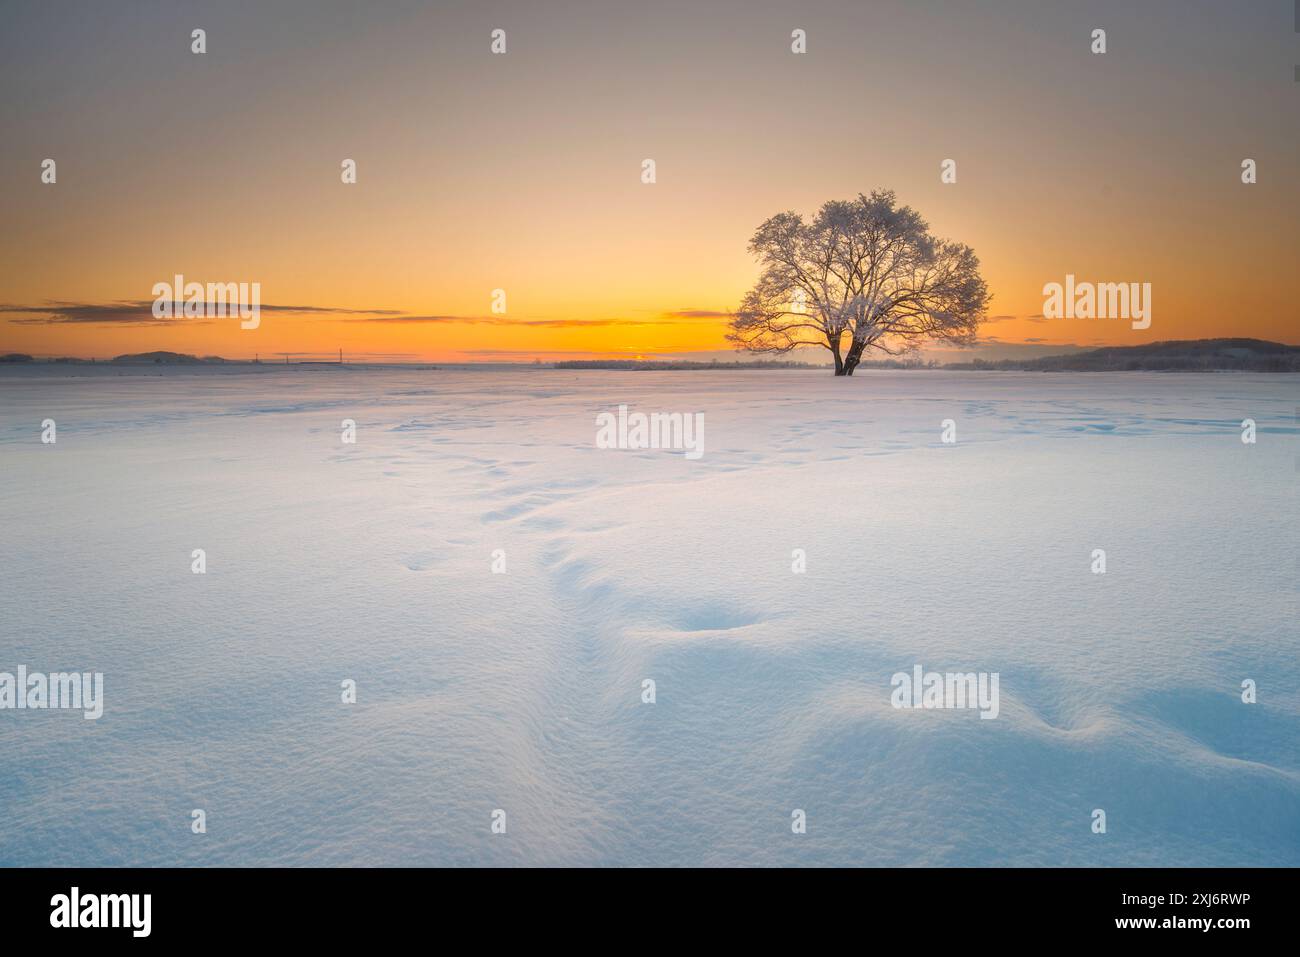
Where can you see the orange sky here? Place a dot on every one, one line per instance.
(522, 171)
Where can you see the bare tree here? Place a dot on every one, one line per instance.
(866, 269)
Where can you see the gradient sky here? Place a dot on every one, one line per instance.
(522, 171)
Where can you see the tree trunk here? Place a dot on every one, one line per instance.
(854, 357)
(839, 363)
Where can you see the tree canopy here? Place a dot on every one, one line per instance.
(867, 271)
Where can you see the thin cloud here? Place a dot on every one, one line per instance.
(533, 353)
(507, 321)
(349, 356)
(140, 312)
(697, 314)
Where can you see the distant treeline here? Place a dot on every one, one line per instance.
(170, 358)
(912, 362)
(165, 358)
(1198, 355)
(644, 365)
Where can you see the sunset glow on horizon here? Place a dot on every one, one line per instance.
(478, 172)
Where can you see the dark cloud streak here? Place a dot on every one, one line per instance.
(140, 312)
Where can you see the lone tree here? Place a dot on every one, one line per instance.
(867, 269)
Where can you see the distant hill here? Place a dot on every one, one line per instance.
(15, 357)
(1192, 355)
(168, 358)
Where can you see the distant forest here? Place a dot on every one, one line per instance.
(1197, 355)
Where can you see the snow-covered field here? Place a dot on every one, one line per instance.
(522, 690)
